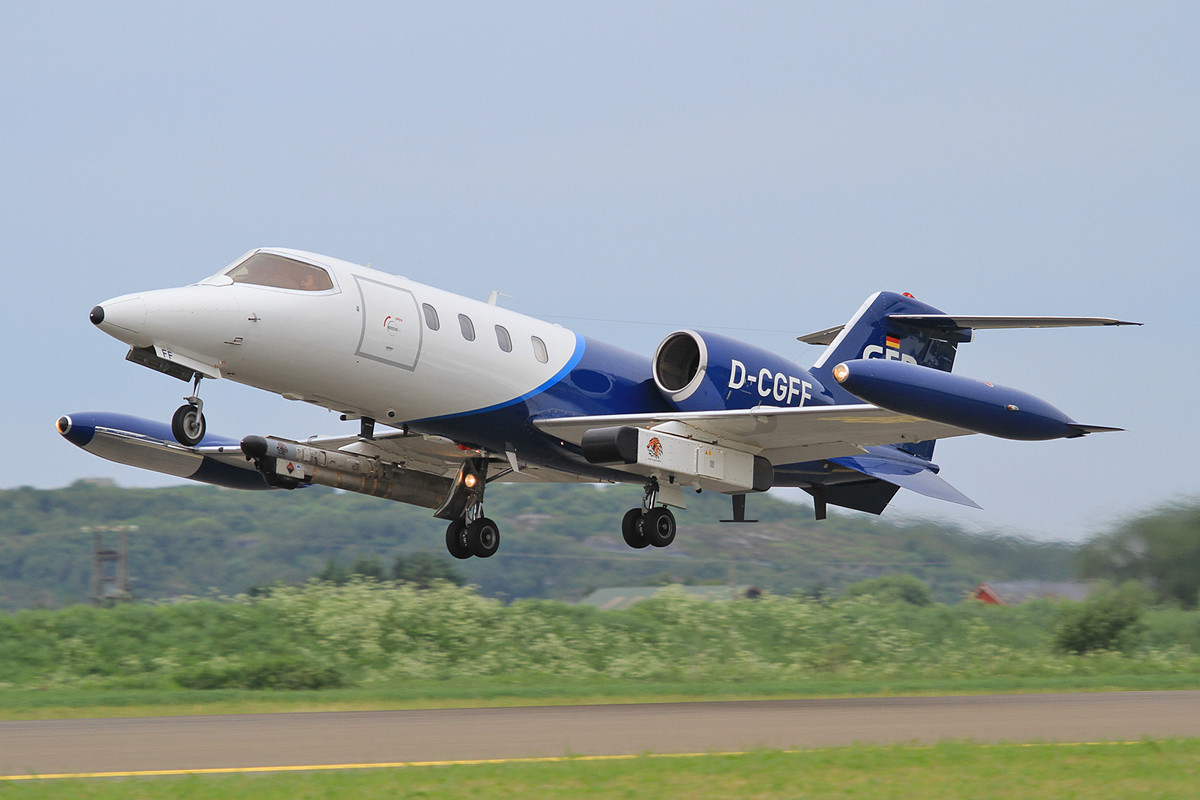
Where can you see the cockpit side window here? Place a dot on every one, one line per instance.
(268, 269)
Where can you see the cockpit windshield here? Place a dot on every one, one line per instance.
(268, 269)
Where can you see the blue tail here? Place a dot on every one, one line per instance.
(872, 333)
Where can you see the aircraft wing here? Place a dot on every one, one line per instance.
(437, 455)
(781, 435)
(149, 444)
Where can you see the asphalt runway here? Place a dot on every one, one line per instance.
(255, 742)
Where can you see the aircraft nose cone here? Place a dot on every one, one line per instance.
(121, 317)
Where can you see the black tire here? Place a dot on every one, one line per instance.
(456, 540)
(631, 529)
(188, 425)
(483, 537)
(659, 526)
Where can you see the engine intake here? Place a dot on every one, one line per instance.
(698, 371)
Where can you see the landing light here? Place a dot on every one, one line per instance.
(63, 425)
(470, 481)
(840, 373)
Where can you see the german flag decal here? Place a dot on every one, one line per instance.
(893, 342)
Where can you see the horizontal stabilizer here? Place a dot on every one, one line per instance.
(957, 322)
(823, 338)
(907, 475)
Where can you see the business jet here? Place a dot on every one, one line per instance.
(453, 394)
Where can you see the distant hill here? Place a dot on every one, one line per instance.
(557, 542)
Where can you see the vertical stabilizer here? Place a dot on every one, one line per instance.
(871, 333)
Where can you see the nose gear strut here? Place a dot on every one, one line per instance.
(187, 425)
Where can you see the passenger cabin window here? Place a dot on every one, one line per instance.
(539, 350)
(468, 327)
(431, 318)
(268, 269)
(503, 339)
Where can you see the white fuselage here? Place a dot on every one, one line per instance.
(374, 345)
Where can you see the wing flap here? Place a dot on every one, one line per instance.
(781, 435)
(438, 456)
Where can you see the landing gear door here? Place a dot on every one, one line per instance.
(391, 324)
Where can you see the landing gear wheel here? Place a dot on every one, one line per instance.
(659, 526)
(456, 539)
(188, 425)
(631, 529)
(483, 537)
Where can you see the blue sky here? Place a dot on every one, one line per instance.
(625, 168)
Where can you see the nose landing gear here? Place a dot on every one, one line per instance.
(187, 424)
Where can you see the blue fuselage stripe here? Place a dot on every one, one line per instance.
(572, 362)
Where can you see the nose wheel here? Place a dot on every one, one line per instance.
(187, 424)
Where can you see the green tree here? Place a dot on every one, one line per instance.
(1160, 550)
(334, 573)
(422, 569)
(369, 567)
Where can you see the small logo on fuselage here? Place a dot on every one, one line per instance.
(889, 353)
(654, 448)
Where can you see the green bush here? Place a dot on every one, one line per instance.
(365, 633)
(265, 673)
(898, 588)
(1110, 620)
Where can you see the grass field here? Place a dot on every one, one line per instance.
(1161, 770)
(27, 704)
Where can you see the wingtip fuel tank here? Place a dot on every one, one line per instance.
(968, 403)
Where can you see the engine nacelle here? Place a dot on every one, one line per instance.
(698, 371)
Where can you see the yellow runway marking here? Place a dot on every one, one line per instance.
(158, 773)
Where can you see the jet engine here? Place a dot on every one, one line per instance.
(699, 371)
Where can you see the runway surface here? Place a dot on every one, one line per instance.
(260, 741)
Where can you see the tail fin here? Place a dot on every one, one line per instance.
(874, 332)
(899, 327)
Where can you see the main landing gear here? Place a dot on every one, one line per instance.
(648, 525)
(479, 537)
(469, 533)
(187, 425)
